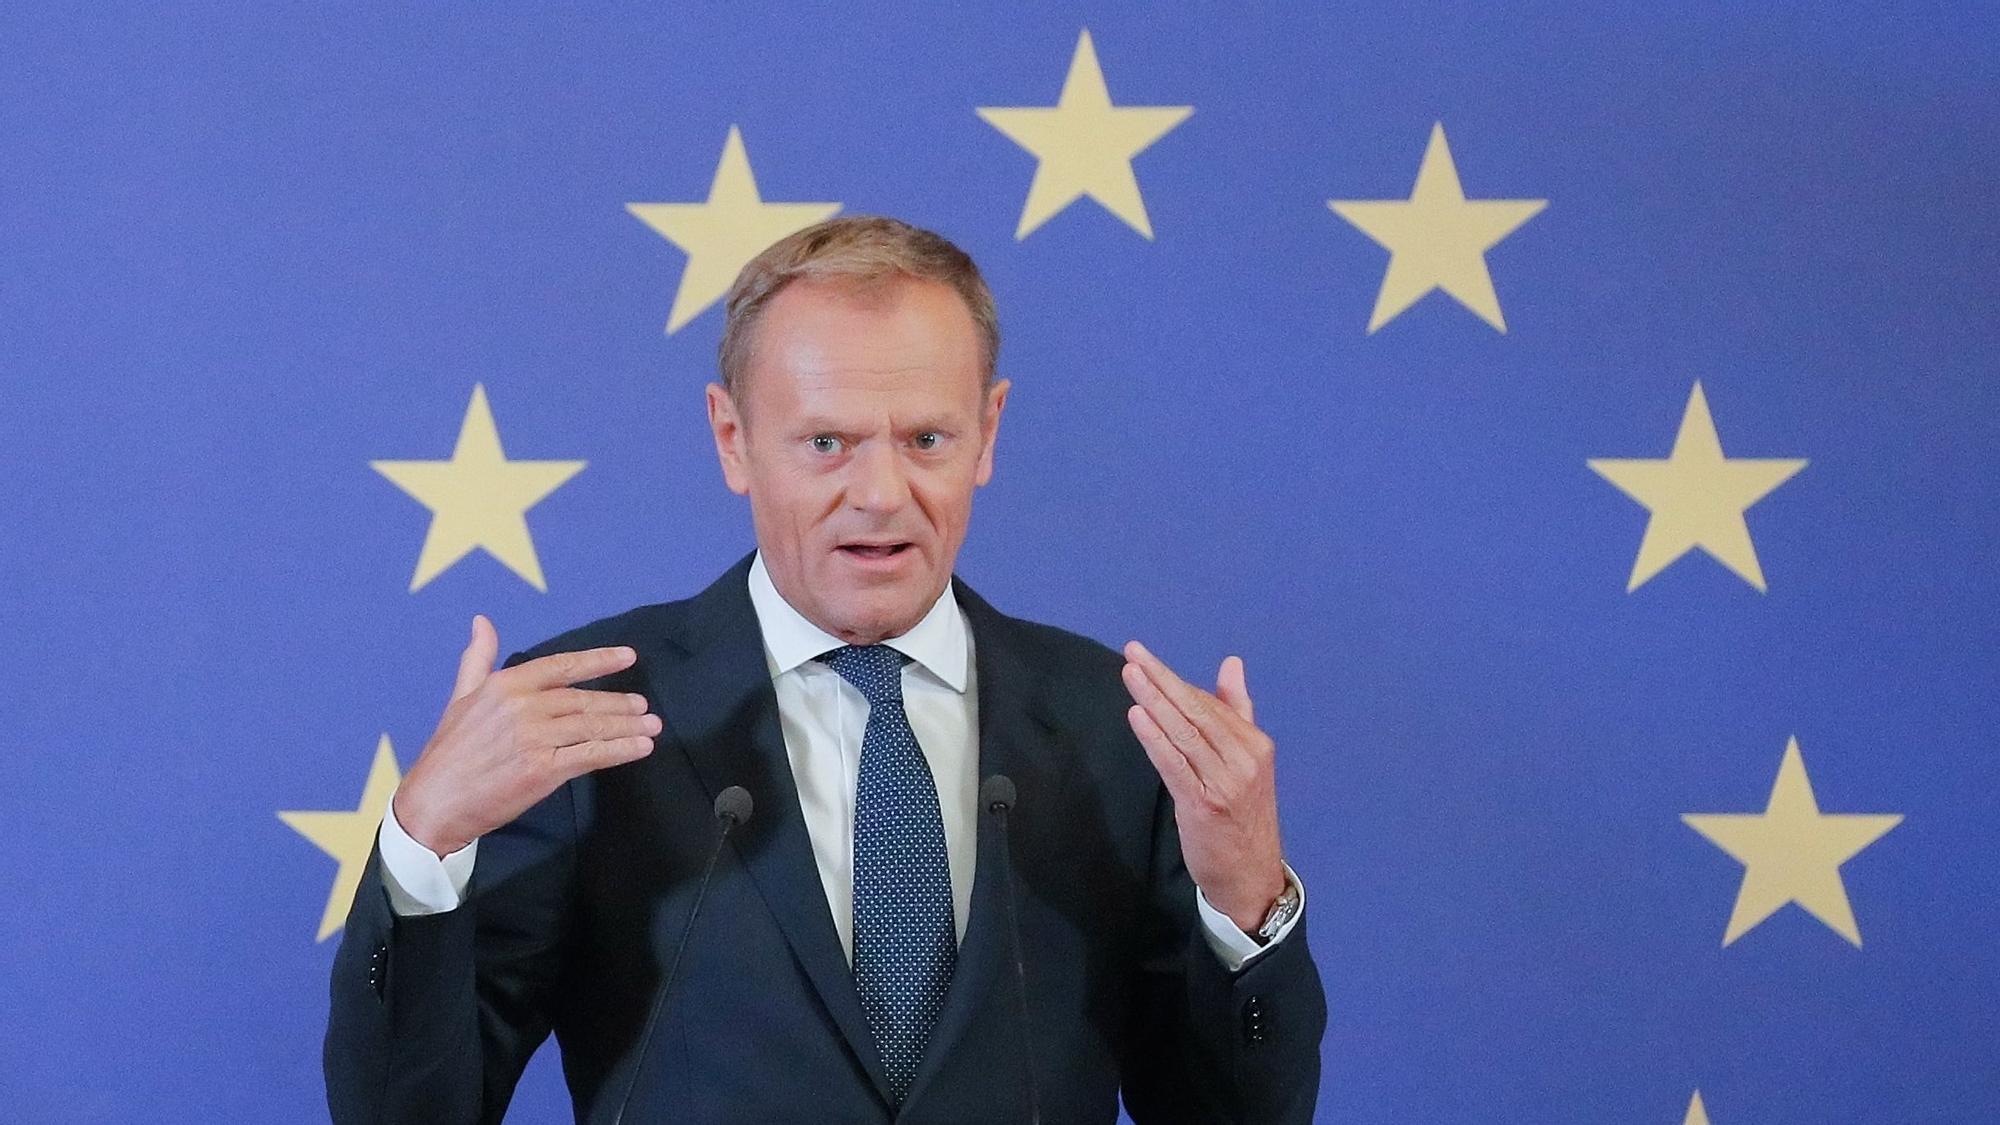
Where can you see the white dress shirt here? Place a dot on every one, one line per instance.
(823, 718)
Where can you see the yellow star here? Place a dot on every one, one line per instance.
(478, 499)
(1437, 239)
(1085, 145)
(1697, 498)
(1792, 853)
(722, 235)
(1697, 1113)
(350, 836)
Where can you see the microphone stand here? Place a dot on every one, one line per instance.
(732, 808)
(997, 793)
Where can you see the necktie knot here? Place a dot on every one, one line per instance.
(875, 670)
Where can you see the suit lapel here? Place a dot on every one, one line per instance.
(1015, 739)
(718, 701)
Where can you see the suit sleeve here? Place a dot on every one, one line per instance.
(1208, 1045)
(434, 1017)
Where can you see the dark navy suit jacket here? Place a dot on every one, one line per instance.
(574, 910)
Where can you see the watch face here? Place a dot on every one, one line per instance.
(1281, 911)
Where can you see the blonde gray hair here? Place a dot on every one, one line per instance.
(864, 249)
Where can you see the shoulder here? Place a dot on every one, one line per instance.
(1072, 686)
(664, 628)
(1061, 655)
(1075, 678)
(643, 628)
(1034, 643)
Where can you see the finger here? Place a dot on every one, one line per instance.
(1202, 755)
(568, 730)
(565, 668)
(584, 701)
(476, 662)
(1201, 709)
(1182, 783)
(1231, 688)
(584, 757)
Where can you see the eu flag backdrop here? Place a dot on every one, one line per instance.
(1581, 418)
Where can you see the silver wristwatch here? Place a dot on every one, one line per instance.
(1282, 911)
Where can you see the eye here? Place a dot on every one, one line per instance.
(929, 439)
(825, 443)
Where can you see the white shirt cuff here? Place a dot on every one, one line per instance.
(418, 881)
(1231, 945)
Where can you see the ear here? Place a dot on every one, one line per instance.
(730, 440)
(989, 424)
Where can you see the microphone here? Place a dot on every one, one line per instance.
(997, 795)
(732, 809)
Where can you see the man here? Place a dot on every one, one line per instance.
(852, 959)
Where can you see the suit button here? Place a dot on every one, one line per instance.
(1253, 1020)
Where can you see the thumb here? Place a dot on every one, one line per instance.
(1233, 690)
(477, 662)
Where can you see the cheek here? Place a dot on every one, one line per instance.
(945, 496)
(792, 497)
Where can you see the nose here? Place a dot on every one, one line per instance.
(877, 480)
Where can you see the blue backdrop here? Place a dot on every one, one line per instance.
(246, 253)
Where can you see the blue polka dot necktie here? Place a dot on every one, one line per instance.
(904, 942)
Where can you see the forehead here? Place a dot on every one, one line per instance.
(903, 344)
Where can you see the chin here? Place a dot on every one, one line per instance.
(884, 616)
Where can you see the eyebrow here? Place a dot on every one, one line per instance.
(818, 424)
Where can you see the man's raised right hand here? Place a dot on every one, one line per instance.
(512, 737)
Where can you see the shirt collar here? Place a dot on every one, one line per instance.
(937, 643)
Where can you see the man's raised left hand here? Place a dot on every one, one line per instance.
(1217, 766)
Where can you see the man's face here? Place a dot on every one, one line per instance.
(859, 430)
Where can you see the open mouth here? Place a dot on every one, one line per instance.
(874, 550)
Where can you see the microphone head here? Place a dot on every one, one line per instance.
(734, 804)
(997, 793)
